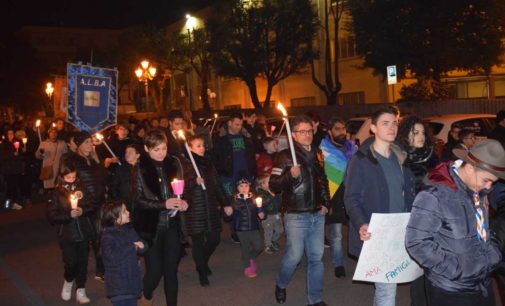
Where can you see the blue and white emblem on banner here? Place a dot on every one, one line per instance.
(92, 97)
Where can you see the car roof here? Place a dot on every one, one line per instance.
(460, 116)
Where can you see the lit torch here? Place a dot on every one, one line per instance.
(37, 124)
(213, 124)
(288, 130)
(100, 137)
(180, 133)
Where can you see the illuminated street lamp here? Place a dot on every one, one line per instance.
(145, 73)
(49, 90)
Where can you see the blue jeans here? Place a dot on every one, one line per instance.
(126, 302)
(337, 252)
(385, 294)
(305, 233)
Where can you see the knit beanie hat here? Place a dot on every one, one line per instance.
(80, 137)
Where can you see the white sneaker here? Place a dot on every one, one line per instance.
(16, 206)
(66, 291)
(81, 297)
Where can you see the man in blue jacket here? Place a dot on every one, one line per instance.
(448, 232)
(377, 182)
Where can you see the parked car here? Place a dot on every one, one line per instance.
(481, 124)
(358, 129)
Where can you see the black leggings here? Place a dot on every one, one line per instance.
(204, 244)
(162, 260)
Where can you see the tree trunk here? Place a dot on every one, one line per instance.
(270, 87)
(331, 99)
(203, 92)
(253, 91)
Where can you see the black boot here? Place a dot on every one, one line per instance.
(280, 295)
(202, 276)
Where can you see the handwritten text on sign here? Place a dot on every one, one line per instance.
(384, 258)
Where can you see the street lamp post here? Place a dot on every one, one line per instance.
(145, 73)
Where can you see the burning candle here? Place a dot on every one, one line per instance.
(73, 201)
(16, 145)
(100, 137)
(213, 124)
(178, 189)
(259, 202)
(24, 140)
(180, 133)
(37, 124)
(288, 130)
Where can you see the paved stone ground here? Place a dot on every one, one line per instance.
(31, 273)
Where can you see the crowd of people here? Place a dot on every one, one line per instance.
(146, 192)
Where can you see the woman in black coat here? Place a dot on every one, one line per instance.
(156, 216)
(203, 217)
(11, 167)
(412, 135)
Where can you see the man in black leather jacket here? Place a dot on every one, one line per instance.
(304, 190)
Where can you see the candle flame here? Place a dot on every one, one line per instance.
(73, 197)
(215, 116)
(180, 133)
(37, 124)
(54, 124)
(99, 136)
(25, 140)
(175, 180)
(259, 201)
(282, 109)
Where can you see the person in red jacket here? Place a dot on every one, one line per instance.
(266, 159)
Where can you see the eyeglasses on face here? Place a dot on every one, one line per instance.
(305, 132)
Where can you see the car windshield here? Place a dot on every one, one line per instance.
(435, 127)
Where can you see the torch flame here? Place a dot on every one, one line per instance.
(37, 124)
(282, 109)
(99, 136)
(180, 133)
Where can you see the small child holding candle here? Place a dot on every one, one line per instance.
(120, 245)
(245, 213)
(272, 224)
(70, 210)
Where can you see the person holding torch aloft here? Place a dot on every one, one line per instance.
(203, 218)
(304, 189)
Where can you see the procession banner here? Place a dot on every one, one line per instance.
(92, 97)
(383, 258)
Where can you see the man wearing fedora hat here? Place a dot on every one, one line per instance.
(448, 232)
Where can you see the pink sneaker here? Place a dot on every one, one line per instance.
(249, 273)
(252, 265)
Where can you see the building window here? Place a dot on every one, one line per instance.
(347, 47)
(351, 98)
(304, 101)
(233, 106)
(469, 90)
(499, 88)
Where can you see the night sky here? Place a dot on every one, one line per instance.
(93, 13)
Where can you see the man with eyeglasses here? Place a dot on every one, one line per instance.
(304, 189)
(377, 182)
